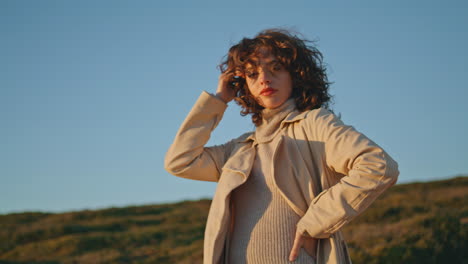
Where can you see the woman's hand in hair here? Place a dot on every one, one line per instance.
(224, 91)
(308, 243)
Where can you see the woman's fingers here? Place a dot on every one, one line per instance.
(298, 240)
(310, 246)
(308, 243)
(224, 92)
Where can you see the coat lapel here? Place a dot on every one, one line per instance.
(285, 175)
(235, 172)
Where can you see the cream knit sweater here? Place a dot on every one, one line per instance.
(264, 225)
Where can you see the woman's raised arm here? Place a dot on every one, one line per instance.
(188, 157)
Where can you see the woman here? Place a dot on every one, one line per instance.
(284, 190)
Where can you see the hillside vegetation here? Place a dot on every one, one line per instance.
(411, 223)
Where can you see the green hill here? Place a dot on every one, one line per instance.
(411, 223)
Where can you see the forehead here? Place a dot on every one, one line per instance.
(262, 56)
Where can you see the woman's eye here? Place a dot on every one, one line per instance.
(252, 74)
(277, 67)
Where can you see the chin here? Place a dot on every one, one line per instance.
(273, 104)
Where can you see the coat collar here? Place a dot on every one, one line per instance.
(290, 118)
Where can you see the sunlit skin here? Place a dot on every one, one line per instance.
(268, 81)
(271, 84)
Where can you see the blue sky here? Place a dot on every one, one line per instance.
(92, 92)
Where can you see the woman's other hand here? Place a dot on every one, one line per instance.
(224, 91)
(308, 243)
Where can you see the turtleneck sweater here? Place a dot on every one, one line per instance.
(264, 226)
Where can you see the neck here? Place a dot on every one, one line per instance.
(271, 120)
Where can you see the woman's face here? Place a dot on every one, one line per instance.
(268, 80)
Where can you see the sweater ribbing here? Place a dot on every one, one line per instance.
(264, 224)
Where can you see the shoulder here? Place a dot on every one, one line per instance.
(317, 116)
(241, 140)
(244, 137)
(320, 123)
(320, 113)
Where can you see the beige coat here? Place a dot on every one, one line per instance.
(326, 171)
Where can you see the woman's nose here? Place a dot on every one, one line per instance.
(264, 77)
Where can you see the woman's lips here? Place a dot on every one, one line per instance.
(268, 91)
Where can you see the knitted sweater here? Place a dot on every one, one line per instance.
(264, 225)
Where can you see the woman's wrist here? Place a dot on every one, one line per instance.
(221, 97)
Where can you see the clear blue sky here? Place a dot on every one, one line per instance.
(92, 92)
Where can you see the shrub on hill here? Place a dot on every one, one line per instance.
(411, 223)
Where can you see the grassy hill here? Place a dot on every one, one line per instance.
(411, 223)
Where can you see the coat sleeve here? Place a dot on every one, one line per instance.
(366, 169)
(188, 157)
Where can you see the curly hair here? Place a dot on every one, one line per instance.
(303, 62)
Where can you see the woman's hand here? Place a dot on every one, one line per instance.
(308, 243)
(224, 91)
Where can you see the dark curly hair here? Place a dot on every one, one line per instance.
(304, 63)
